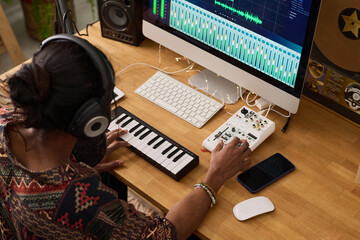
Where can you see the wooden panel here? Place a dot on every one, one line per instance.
(10, 42)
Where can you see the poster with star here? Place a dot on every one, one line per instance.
(333, 74)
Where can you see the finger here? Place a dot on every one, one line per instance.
(115, 134)
(219, 146)
(243, 145)
(247, 152)
(234, 142)
(103, 167)
(116, 145)
(246, 161)
(112, 131)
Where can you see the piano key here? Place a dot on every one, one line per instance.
(158, 156)
(167, 149)
(126, 122)
(135, 142)
(168, 160)
(159, 143)
(120, 118)
(135, 127)
(153, 140)
(140, 131)
(165, 153)
(126, 137)
(173, 163)
(145, 141)
(117, 124)
(131, 124)
(152, 149)
(179, 156)
(145, 134)
(182, 164)
(173, 153)
(147, 149)
(117, 120)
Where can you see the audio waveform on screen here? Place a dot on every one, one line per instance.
(236, 41)
(248, 16)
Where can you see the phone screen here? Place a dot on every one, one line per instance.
(265, 172)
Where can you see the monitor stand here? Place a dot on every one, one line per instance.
(216, 86)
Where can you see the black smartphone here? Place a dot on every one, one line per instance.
(266, 172)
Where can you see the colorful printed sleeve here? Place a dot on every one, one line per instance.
(94, 209)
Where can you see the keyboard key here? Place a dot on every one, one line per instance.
(179, 99)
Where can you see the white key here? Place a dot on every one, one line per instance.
(183, 163)
(126, 137)
(174, 164)
(200, 118)
(131, 124)
(116, 119)
(165, 105)
(158, 154)
(135, 141)
(163, 158)
(146, 140)
(113, 125)
(123, 121)
(152, 151)
(148, 148)
(170, 160)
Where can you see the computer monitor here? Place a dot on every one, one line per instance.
(260, 45)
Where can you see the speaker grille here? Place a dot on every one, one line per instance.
(115, 16)
(121, 20)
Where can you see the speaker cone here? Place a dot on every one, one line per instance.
(115, 15)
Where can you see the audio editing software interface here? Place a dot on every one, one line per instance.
(266, 35)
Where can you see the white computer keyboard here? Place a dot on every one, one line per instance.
(179, 99)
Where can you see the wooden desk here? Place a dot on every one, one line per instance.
(319, 200)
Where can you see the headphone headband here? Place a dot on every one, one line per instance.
(98, 58)
(93, 117)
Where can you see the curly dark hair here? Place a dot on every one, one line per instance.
(48, 91)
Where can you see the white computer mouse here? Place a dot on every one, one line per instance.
(252, 207)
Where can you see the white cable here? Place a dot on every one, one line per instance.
(283, 115)
(269, 108)
(159, 55)
(146, 64)
(248, 102)
(241, 95)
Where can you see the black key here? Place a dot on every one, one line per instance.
(178, 156)
(140, 131)
(153, 140)
(166, 150)
(135, 127)
(158, 144)
(121, 119)
(144, 135)
(173, 153)
(126, 123)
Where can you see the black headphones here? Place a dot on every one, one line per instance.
(93, 117)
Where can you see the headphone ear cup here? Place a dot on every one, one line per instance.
(90, 120)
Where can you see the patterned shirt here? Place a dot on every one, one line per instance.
(66, 202)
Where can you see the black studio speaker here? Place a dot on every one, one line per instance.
(121, 20)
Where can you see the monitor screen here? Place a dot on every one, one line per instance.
(261, 45)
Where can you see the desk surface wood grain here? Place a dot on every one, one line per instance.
(319, 200)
